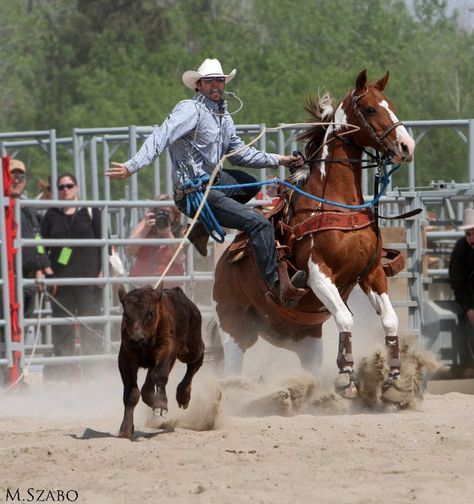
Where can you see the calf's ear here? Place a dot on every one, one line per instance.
(122, 293)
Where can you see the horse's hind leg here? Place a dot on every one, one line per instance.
(242, 333)
(376, 290)
(309, 350)
(325, 290)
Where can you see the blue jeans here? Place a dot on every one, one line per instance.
(228, 206)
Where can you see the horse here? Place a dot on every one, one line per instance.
(337, 247)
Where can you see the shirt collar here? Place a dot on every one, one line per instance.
(210, 104)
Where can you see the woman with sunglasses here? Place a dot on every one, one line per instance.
(199, 132)
(68, 223)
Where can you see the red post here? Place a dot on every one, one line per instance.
(11, 232)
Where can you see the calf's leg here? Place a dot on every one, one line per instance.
(183, 392)
(160, 374)
(131, 393)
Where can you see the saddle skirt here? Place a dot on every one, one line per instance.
(392, 260)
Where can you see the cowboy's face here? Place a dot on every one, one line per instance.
(470, 237)
(18, 183)
(211, 87)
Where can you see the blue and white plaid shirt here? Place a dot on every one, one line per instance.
(198, 134)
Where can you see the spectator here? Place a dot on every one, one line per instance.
(151, 260)
(34, 259)
(461, 276)
(74, 262)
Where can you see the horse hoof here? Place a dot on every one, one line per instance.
(394, 392)
(345, 386)
(163, 413)
(349, 392)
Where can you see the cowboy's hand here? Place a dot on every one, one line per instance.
(117, 171)
(293, 161)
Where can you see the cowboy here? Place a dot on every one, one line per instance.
(461, 277)
(199, 132)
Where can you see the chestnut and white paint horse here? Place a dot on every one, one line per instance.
(337, 247)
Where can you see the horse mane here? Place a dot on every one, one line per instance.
(321, 109)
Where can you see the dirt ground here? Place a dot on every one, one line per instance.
(273, 435)
(279, 439)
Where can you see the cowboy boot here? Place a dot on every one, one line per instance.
(290, 294)
(199, 238)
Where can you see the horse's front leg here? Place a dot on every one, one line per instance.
(326, 291)
(376, 289)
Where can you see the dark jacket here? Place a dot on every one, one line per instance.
(34, 258)
(83, 261)
(461, 274)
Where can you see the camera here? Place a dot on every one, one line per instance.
(162, 219)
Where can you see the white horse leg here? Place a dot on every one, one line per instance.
(310, 353)
(327, 293)
(389, 318)
(233, 355)
(384, 308)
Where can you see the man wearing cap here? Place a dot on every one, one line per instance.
(461, 276)
(198, 133)
(35, 261)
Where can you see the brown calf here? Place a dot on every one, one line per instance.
(158, 326)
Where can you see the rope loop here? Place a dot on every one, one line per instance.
(194, 197)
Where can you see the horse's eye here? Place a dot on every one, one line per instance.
(369, 110)
(149, 315)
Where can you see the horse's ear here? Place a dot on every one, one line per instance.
(361, 80)
(380, 84)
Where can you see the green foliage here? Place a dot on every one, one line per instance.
(94, 63)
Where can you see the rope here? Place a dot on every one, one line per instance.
(207, 218)
(35, 344)
(352, 129)
(75, 317)
(211, 224)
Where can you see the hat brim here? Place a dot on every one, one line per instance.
(190, 77)
(16, 165)
(465, 227)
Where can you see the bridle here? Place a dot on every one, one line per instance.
(378, 138)
(373, 134)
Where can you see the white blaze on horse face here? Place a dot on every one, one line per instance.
(340, 121)
(383, 306)
(405, 145)
(328, 294)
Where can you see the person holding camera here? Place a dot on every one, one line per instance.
(151, 260)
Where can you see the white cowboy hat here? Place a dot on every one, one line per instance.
(468, 221)
(208, 68)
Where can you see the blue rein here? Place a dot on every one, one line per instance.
(194, 197)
